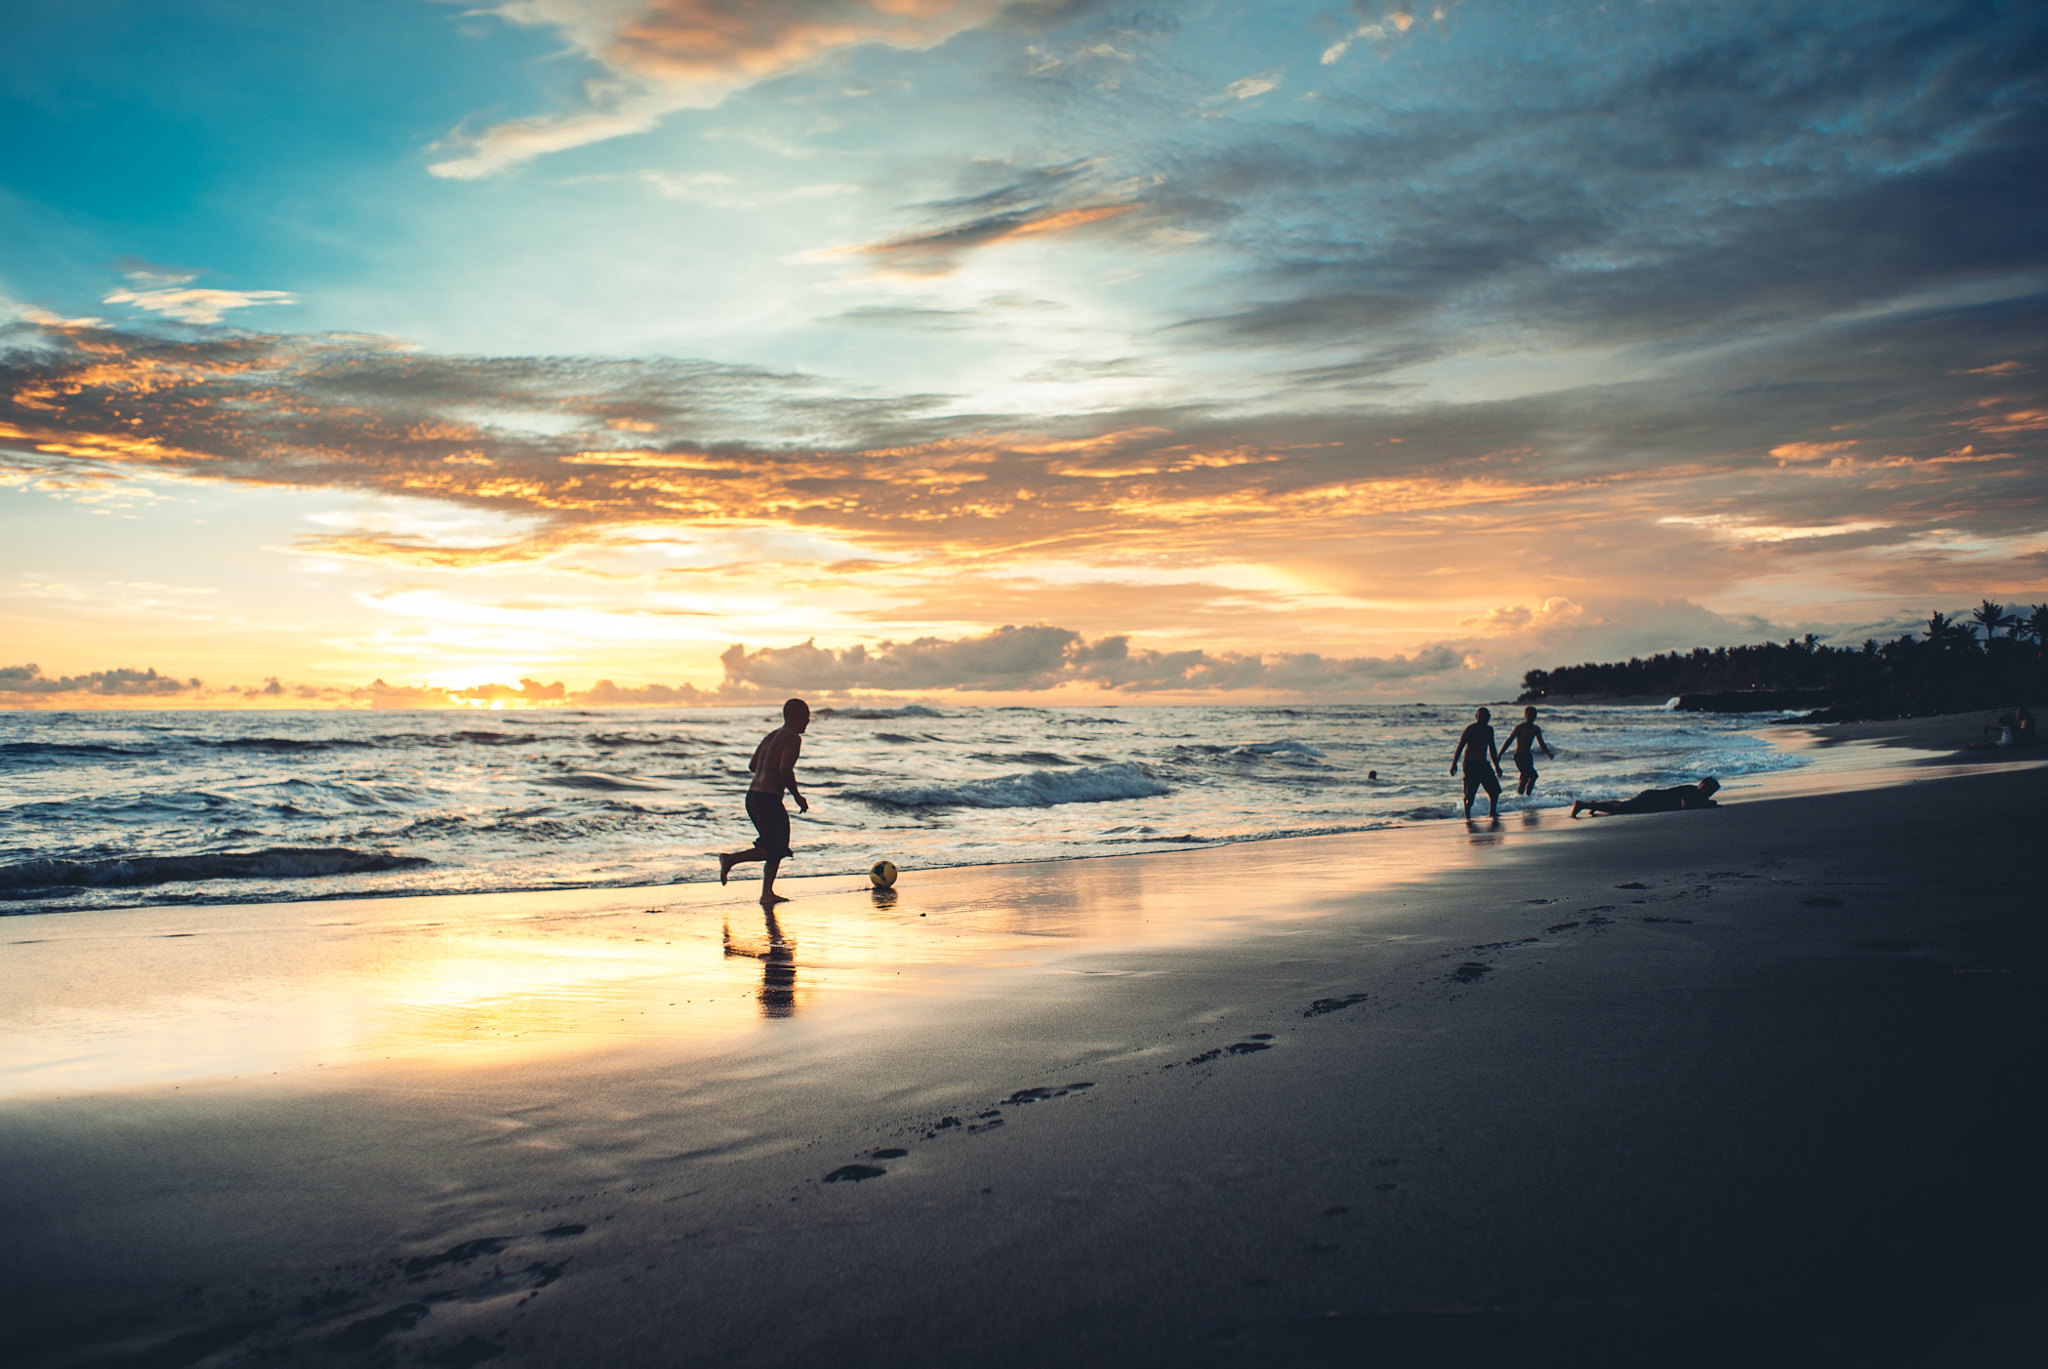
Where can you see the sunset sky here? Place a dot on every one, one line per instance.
(1003, 350)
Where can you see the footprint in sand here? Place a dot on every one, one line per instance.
(418, 1265)
(1323, 1005)
(1470, 971)
(1040, 1095)
(853, 1174)
(371, 1331)
(1234, 1048)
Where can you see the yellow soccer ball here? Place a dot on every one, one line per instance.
(882, 874)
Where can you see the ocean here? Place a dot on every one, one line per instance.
(124, 808)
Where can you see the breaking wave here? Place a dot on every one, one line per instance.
(1032, 789)
(128, 872)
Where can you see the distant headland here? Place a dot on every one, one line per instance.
(1946, 669)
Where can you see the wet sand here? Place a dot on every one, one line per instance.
(1740, 1086)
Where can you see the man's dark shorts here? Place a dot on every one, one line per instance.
(1477, 775)
(771, 820)
(1525, 765)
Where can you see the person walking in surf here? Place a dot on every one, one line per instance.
(1525, 734)
(774, 767)
(1482, 764)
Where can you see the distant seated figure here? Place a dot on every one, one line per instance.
(2004, 732)
(1670, 800)
(2022, 727)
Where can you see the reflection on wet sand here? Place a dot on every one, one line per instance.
(168, 994)
(777, 995)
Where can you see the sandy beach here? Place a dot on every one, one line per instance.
(1752, 1085)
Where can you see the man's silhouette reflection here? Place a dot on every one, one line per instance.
(778, 966)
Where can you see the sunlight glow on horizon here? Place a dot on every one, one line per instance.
(1083, 352)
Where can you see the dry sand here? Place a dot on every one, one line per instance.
(1745, 1086)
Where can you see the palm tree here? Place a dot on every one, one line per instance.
(1941, 631)
(2037, 623)
(1991, 617)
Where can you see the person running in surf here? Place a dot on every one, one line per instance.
(774, 767)
(1524, 735)
(1482, 764)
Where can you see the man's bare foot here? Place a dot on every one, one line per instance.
(769, 900)
(1577, 804)
(725, 864)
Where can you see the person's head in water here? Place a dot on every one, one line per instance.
(1485, 713)
(796, 714)
(1708, 786)
(1529, 713)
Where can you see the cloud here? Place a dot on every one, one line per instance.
(1811, 451)
(156, 291)
(119, 683)
(1652, 480)
(1024, 203)
(606, 694)
(660, 56)
(1378, 27)
(1041, 658)
(937, 252)
(1521, 617)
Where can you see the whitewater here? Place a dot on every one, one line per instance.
(121, 808)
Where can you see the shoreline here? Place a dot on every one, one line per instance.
(1923, 734)
(1676, 1088)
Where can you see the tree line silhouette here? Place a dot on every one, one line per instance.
(1945, 669)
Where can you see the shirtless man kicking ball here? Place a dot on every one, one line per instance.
(774, 767)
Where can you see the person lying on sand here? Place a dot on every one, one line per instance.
(774, 767)
(1670, 800)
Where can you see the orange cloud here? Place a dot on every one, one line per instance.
(1809, 451)
(934, 253)
(668, 55)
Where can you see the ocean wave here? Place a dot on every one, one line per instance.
(618, 739)
(874, 714)
(1032, 789)
(497, 738)
(592, 781)
(125, 872)
(1287, 748)
(284, 745)
(1019, 758)
(60, 749)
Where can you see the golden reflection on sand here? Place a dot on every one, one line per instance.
(153, 996)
